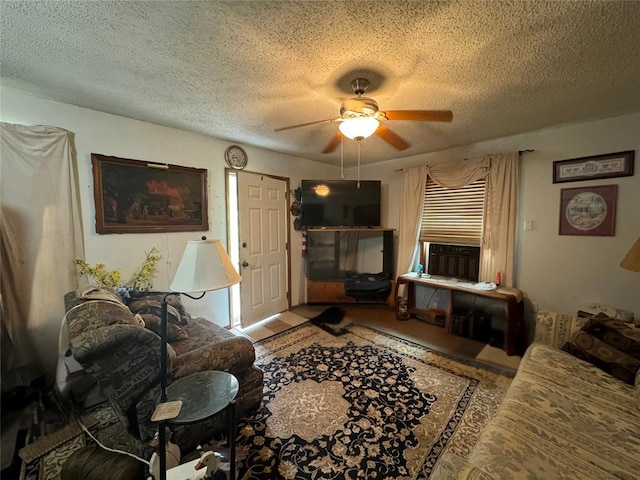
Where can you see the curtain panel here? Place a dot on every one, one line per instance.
(498, 236)
(41, 235)
(499, 232)
(414, 181)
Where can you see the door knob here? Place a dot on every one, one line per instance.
(245, 264)
(244, 244)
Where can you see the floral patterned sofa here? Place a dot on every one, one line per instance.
(117, 344)
(562, 418)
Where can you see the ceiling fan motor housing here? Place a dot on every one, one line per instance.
(359, 85)
(358, 107)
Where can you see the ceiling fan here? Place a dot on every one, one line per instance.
(360, 118)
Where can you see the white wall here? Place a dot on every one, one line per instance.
(96, 132)
(560, 273)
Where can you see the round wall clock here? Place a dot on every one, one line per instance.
(235, 157)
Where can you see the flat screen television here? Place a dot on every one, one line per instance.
(340, 203)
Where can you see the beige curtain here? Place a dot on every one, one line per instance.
(458, 174)
(414, 181)
(498, 237)
(41, 234)
(499, 234)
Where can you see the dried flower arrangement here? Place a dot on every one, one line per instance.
(141, 281)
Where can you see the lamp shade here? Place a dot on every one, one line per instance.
(359, 127)
(631, 261)
(205, 266)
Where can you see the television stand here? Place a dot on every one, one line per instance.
(333, 252)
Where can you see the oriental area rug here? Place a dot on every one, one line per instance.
(364, 404)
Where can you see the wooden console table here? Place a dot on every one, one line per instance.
(515, 336)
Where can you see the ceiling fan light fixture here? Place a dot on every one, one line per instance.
(358, 128)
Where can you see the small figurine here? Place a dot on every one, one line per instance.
(211, 460)
(172, 454)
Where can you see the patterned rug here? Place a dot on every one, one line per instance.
(362, 405)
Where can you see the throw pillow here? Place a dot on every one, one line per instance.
(587, 347)
(139, 299)
(615, 333)
(153, 323)
(96, 314)
(96, 292)
(151, 307)
(554, 329)
(151, 313)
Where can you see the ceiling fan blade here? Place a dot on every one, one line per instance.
(333, 143)
(306, 124)
(391, 138)
(423, 115)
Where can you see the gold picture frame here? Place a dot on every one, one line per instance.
(133, 196)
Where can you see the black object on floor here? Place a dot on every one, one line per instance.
(368, 286)
(330, 315)
(330, 320)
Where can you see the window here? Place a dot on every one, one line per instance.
(453, 215)
(451, 230)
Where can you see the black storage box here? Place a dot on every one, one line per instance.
(368, 286)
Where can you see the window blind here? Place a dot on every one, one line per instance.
(453, 215)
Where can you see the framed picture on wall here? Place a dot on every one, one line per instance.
(589, 211)
(133, 196)
(611, 165)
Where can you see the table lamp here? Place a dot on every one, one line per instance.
(204, 266)
(631, 260)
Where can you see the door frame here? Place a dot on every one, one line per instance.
(233, 240)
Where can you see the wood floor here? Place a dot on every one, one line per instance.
(382, 317)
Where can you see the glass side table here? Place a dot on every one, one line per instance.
(204, 394)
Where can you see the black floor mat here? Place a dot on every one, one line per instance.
(332, 320)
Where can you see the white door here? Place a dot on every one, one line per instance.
(262, 217)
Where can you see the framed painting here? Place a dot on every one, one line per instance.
(610, 165)
(589, 211)
(133, 196)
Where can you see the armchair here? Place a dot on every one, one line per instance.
(112, 344)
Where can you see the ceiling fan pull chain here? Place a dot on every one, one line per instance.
(359, 141)
(342, 157)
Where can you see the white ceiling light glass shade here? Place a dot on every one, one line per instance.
(359, 127)
(205, 266)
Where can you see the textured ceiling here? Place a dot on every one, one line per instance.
(238, 70)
